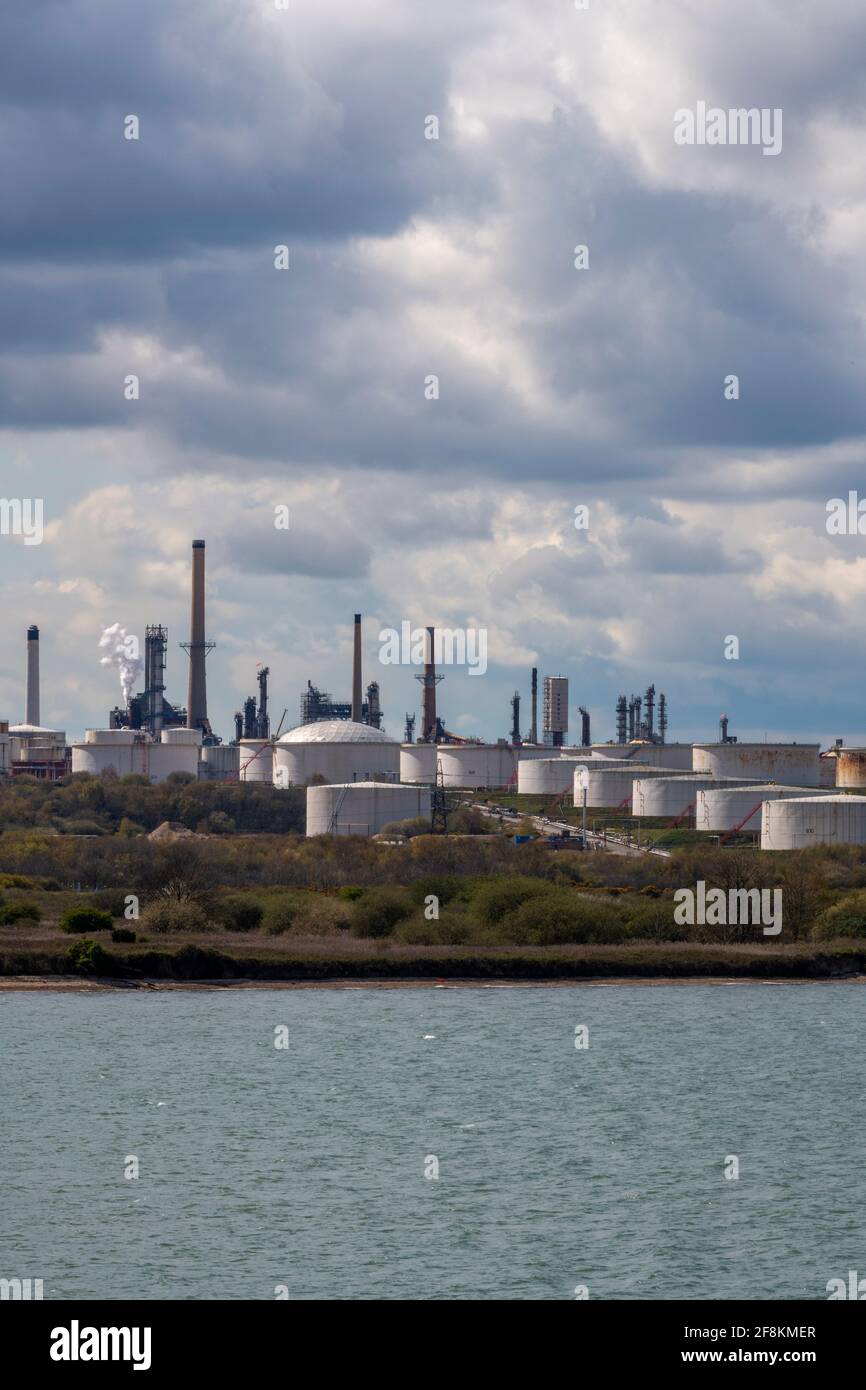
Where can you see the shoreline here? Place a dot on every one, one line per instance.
(39, 984)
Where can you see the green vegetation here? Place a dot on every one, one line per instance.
(82, 919)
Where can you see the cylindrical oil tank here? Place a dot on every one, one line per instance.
(418, 762)
(113, 737)
(791, 764)
(220, 762)
(610, 783)
(121, 750)
(731, 808)
(851, 767)
(827, 769)
(545, 776)
(481, 765)
(801, 822)
(164, 758)
(188, 737)
(338, 750)
(363, 808)
(256, 762)
(672, 796)
(674, 755)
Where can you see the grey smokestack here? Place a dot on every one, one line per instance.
(196, 700)
(533, 730)
(31, 694)
(356, 672)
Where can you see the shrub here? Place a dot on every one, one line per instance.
(379, 911)
(179, 779)
(169, 916)
(416, 825)
(236, 913)
(82, 919)
(847, 917)
(350, 893)
(558, 918)
(122, 934)
(87, 957)
(280, 916)
(110, 900)
(17, 912)
(445, 887)
(81, 827)
(495, 899)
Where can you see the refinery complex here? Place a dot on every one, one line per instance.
(359, 779)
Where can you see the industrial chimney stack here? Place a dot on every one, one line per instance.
(31, 694)
(356, 672)
(198, 647)
(533, 728)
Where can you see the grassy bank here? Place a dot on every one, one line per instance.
(322, 959)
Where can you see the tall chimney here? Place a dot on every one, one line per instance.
(31, 694)
(533, 728)
(356, 672)
(198, 647)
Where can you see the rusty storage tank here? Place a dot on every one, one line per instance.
(851, 767)
(791, 764)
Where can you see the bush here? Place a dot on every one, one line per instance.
(350, 894)
(110, 900)
(87, 957)
(17, 912)
(416, 825)
(280, 916)
(179, 779)
(168, 916)
(496, 899)
(82, 919)
(846, 918)
(379, 911)
(445, 887)
(238, 914)
(122, 934)
(558, 918)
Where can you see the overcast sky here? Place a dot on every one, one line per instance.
(412, 257)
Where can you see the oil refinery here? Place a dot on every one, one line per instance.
(358, 777)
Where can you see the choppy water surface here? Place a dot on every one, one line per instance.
(305, 1167)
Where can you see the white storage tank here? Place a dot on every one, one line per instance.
(256, 761)
(792, 764)
(478, 765)
(130, 750)
(338, 750)
(418, 762)
(672, 796)
(363, 808)
(610, 783)
(170, 755)
(801, 822)
(189, 737)
(729, 808)
(669, 755)
(545, 776)
(220, 762)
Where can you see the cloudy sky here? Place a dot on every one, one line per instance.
(454, 257)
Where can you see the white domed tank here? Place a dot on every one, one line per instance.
(256, 760)
(220, 762)
(418, 762)
(801, 822)
(674, 796)
(791, 764)
(740, 808)
(609, 783)
(545, 776)
(478, 765)
(338, 750)
(851, 767)
(363, 808)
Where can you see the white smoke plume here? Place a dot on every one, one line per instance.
(121, 650)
